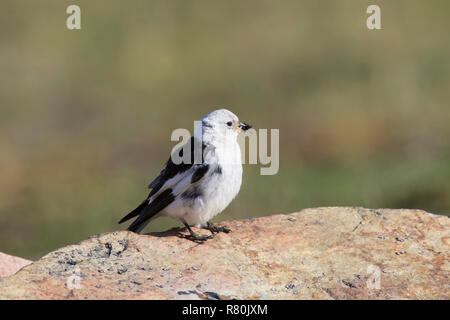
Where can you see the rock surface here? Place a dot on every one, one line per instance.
(321, 253)
(9, 265)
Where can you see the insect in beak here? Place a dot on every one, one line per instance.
(244, 126)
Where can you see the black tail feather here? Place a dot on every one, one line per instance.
(135, 212)
(163, 200)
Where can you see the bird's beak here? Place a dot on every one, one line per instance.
(244, 126)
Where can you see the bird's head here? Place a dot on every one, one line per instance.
(223, 123)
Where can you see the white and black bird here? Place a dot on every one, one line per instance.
(195, 191)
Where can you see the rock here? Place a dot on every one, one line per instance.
(321, 253)
(9, 265)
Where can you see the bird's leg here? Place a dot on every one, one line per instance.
(195, 237)
(216, 229)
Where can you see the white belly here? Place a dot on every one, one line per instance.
(217, 192)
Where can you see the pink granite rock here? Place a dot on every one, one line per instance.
(320, 253)
(9, 265)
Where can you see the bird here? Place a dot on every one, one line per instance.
(196, 190)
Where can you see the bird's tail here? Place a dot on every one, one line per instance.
(148, 210)
(135, 212)
(137, 226)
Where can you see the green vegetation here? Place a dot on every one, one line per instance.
(86, 116)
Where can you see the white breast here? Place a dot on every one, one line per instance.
(218, 190)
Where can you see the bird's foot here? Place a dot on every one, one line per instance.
(195, 237)
(216, 229)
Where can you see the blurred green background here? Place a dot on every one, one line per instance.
(86, 115)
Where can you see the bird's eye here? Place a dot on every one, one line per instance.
(229, 123)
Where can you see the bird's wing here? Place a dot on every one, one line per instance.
(171, 182)
(171, 170)
(167, 194)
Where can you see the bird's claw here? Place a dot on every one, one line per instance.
(216, 229)
(195, 237)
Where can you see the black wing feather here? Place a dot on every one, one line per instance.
(171, 169)
(147, 210)
(136, 211)
(163, 200)
(199, 172)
